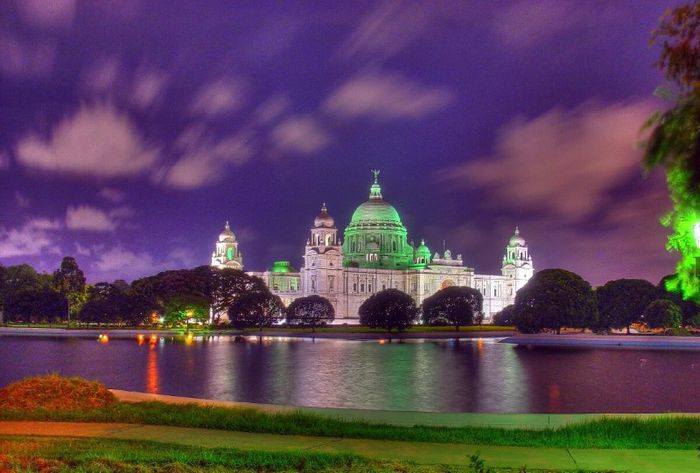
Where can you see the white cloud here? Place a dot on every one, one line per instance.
(102, 75)
(148, 88)
(97, 140)
(218, 98)
(112, 195)
(21, 58)
(300, 134)
(33, 238)
(526, 23)
(84, 217)
(564, 162)
(203, 160)
(82, 250)
(271, 109)
(386, 96)
(388, 29)
(121, 263)
(48, 14)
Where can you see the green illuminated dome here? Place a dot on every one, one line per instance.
(375, 236)
(423, 253)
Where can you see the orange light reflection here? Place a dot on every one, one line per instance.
(152, 379)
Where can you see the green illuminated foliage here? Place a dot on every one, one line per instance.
(674, 143)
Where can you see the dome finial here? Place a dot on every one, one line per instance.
(375, 191)
(227, 226)
(517, 230)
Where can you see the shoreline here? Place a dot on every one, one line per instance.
(537, 421)
(644, 342)
(131, 333)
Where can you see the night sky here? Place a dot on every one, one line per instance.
(130, 130)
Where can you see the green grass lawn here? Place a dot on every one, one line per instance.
(41, 454)
(628, 433)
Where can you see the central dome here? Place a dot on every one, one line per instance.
(376, 211)
(375, 236)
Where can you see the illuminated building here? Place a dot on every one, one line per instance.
(375, 254)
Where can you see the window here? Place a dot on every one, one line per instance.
(362, 287)
(369, 288)
(275, 287)
(394, 246)
(229, 252)
(354, 287)
(495, 292)
(383, 287)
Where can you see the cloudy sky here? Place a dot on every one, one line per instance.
(131, 130)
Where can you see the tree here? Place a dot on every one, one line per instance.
(69, 280)
(310, 311)
(552, 299)
(454, 305)
(674, 143)
(506, 316)
(388, 309)
(689, 308)
(662, 313)
(227, 285)
(34, 305)
(256, 309)
(622, 302)
(186, 308)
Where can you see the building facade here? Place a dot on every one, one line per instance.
(374, 255)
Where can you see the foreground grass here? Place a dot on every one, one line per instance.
(629, 433)
(36, 454)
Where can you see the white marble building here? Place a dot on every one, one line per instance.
(375, 255)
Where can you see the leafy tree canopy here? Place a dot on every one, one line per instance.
(389, 309)
(552, 299)
(622, 302)
(311, 311)
(663, 313)
(256, 309)
(454, 305)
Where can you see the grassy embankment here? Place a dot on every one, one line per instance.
(54, 398)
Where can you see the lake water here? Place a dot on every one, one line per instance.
(477, 375)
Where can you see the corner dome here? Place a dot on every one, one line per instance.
(227, 234)
(516, 239)
(323, 219)
(423, 251)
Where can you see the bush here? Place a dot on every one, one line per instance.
(55, 393)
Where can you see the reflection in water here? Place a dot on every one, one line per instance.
(478, 375)
(152, 380)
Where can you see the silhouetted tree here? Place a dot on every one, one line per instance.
(227, 285)
(310, 311)
(690, 309)
(622, 302)
(453, 305)
(256, 309)
(552, 299)
(35, 305)
(69, 280)
(506, 316)
(662, 313)
(389, 309)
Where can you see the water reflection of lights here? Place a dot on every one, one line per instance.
(140, 338)
(153, 339)
(152, 379)
(189, 339)
(382, 341)
(103, 338)
(480, 345)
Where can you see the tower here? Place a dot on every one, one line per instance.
(322, 273)
(226, 254)
(517, 264)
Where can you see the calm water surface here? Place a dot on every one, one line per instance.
(477, 375)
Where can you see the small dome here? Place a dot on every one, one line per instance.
(516, 239)
(423, 251)
(323, 219)
(227, 234)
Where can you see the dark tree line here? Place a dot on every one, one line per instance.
(556, 298)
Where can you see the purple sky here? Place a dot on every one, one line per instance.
(130, 130)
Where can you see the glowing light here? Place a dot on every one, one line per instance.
(140, 338)
(103, 338)
(189, 339)
(152, 378)
(696, 230)
(382, 341)
(153, 339)
(479, 345)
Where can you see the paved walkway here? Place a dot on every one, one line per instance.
(638, 461)
(401, 418)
